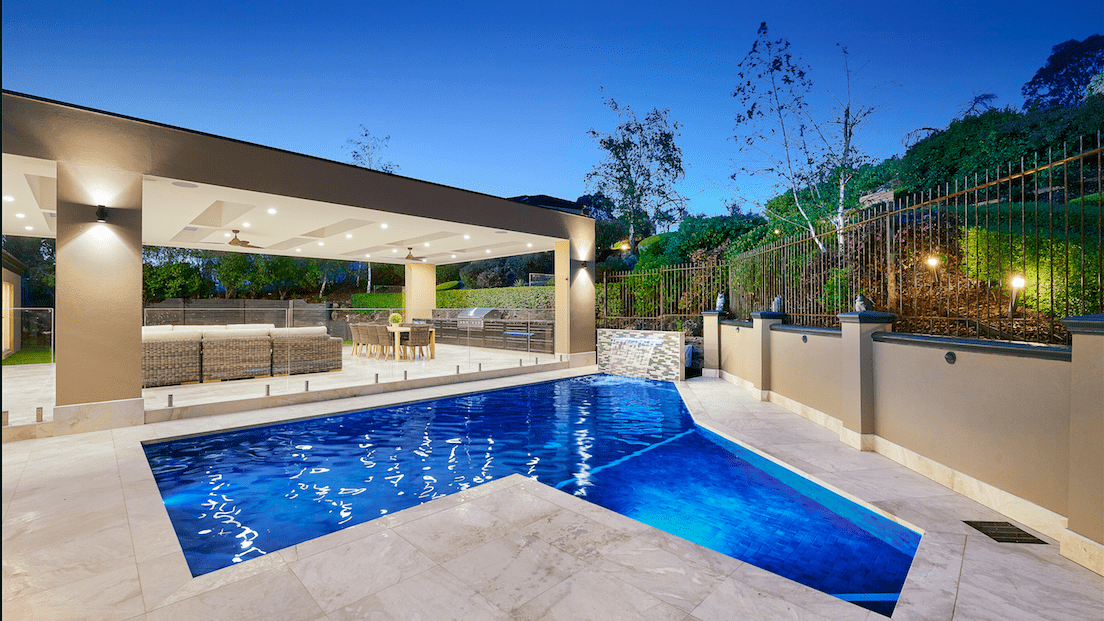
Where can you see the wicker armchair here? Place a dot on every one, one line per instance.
(384, 340)
(304, 350)
(360, 339)
(237, 353)
(371, 339)
(419, 338)
(170, 357)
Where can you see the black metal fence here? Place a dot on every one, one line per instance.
(999, 256)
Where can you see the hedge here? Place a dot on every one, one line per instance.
(505, 297)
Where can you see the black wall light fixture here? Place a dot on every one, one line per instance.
(101, 214)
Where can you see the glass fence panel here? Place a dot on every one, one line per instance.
(28, 389)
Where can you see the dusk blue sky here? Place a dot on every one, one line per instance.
(498, 97)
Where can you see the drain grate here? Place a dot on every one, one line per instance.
(1004, 532)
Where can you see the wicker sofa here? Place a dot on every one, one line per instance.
(181, 354)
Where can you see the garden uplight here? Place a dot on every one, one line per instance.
(933, 261)
(1017, 284)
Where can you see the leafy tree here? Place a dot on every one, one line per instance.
(707, 233)
(38, 255)
(177, 279)
(641, 167)
(366, 151)
(1064, 79)
(233, 271)
(800, 152)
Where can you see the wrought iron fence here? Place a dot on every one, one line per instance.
(1004, 255)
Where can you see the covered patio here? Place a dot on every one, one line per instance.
(104, 185)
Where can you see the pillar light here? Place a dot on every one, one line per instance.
(101, 214)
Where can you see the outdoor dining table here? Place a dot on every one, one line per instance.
(398, 330)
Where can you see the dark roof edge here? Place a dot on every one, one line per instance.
(197, 132)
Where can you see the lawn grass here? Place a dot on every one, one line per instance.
(30, 355)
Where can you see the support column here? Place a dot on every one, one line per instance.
(1083, 540)
(761, 363)
(98, 300)
(858, 373)
(575, 332)
(711, 356)
(420, 293)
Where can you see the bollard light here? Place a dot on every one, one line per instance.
(170, 401)
(306, 385)
(38, 415)
(268, 390)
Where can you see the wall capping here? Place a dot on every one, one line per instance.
(1000, 348)
(832, 332)
(768, 315)
(1085, 324)
(739, 323)
(867, 317)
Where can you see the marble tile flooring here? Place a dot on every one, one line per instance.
(29, 386)
(85, 536)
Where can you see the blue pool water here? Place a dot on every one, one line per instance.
(623, 443)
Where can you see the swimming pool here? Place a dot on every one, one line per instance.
(625, 444)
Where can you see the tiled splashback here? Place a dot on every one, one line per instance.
(642, 353)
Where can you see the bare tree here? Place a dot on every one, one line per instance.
(365, 151)
(641, 167)
(799, 151)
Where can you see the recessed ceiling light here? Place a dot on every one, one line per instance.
(348, 236)
(298, 250)
(383, 225)
(423, 260)
(245, 224)
(394, 250)
(426, 244)
(488, 251)
(321, 244)
(29, 228)
(8, 199)
(368, 256)
(467, 237)
(226, 235)
(454, 256)
(271, 211)
(19, 215)
(529, 245)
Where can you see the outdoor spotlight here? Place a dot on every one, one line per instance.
(101, 214)
(1017, 284)
(933, 261)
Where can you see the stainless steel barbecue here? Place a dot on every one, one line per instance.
(474, 317)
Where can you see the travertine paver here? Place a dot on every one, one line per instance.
(82, 538)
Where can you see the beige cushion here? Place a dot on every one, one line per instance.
(172, 335)
(164, 328)
(303, 331)
(235, 334)
(237, 326)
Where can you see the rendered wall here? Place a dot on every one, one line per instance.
(1001, 419)
(420, 294)
(738, 350)
(808, 372)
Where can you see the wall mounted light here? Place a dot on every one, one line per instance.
(583, 264)
(101, 214)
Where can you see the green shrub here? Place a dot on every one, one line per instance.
(377, 300)
(1061, 277)
(504, 297)
(446, 286)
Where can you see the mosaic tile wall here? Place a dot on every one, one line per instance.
(642, 353)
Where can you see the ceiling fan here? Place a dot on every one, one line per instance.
(240, 242)
(410, 255)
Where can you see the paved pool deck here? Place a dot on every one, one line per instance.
(86, 536)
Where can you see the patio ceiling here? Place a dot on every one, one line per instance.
(185, 214)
